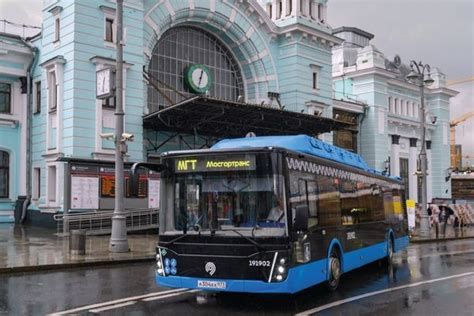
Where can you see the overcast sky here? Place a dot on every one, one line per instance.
(438, 32)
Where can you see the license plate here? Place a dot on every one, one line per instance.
(211, 284)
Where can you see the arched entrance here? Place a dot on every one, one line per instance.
(186, 51)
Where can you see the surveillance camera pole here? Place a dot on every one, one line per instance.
(118, 238)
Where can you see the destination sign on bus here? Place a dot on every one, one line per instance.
(208, 164)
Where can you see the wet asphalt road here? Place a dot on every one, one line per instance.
(426, 279)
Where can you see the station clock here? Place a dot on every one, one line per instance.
(198, 78)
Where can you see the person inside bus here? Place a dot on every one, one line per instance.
(277, 212)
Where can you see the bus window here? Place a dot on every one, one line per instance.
(388, 203)
(329, 201)
(350, 210)
(312, 197)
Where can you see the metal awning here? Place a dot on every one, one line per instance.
(222, 118)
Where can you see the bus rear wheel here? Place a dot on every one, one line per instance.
(334, 271)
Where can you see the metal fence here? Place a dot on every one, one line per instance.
(100, 222)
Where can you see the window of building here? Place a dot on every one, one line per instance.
(302, 7)
(109, 102)
(4, 174)
(290, 7)
(36, 183)
(390, 105)
(269, 10)
(5, 98)
(57, 29)
(52, 183)
(396, 107)
(37, 108)
(109, 30)
(315, 80)
(409, 109)
(280, 8)
(310, 8)
(52, 91)
(402, 107)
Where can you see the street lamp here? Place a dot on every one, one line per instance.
(420, 76)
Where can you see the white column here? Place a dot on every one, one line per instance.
(395, 156)
(314, 10)
(284, 8)
(295, 7)
(274, 9)
(429, 178)
(412, 178)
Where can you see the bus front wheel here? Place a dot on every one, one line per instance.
(334, 270)
(389, 258)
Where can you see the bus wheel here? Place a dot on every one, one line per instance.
(334, 271)
(389, 258)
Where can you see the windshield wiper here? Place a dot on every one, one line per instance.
(259, 246)
(174, 240)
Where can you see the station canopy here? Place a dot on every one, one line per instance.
(208, 116)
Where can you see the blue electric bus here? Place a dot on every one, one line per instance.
(274, 214)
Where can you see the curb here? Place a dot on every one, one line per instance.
(63, 266)
(421, 241)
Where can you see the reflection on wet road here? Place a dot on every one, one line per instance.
(436, 279)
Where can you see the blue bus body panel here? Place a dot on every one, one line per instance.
(299, 277)
(299, 143)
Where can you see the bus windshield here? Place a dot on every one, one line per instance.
(233, 196)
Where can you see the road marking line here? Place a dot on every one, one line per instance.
(98, 310)
(358, 297)
(166, 296)
(122, 300)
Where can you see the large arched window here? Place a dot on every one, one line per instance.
(4, 174)
(180, 48)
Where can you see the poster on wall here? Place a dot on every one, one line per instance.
(153, 193)
(84, 192)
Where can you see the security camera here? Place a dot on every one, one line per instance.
(434, 119)
(127, 137)
(108, 136)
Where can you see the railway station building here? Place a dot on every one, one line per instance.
(195, 72)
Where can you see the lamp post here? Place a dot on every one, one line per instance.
(420, 76)
(118, 238)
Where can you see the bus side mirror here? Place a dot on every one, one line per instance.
(134, 179)
(135, 176)
(301, 218)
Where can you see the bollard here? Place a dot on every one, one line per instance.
(77, 242)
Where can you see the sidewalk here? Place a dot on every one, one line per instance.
(26, 248)
(450, 234)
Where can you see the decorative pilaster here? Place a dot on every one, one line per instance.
(412, 163)
(395, 156)
(429, 178)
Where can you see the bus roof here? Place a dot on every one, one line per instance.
(303, 144)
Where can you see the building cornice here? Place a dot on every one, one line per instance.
(52, 61)
(348, 106)
(369, 71)
(99, 60)
(311, 32)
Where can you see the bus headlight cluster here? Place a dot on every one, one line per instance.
(281, 270)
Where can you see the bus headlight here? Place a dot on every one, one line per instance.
(158, 264)
(279, 277)
(281, 269)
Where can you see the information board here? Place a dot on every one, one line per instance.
(84, 192)
(153, 193)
